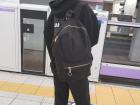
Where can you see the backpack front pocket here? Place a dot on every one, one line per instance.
(72, 69)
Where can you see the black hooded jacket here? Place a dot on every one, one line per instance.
(59, 8)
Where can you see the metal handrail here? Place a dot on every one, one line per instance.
(121, 23)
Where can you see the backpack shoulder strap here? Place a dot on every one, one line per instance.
(75, 12)
(77, 9)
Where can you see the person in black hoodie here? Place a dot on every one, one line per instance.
(79, 86)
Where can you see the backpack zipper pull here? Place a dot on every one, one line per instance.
(55, 39)
(69, 73)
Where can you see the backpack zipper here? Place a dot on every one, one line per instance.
(71, 67)
(55, 39)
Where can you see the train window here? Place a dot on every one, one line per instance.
(122, 45)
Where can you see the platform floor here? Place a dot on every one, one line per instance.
(23, 89)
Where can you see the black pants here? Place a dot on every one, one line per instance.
(79, 90)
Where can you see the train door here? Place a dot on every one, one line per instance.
(33, 49)
(121, 58)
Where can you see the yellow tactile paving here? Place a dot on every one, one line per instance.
(70, 96)
(1, 83)
(136, 96)
(93, 98)
(104, 95)
(43, 91)
(27, 89)
(8, 86)
(122, 96)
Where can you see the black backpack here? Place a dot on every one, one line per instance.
(71, 45)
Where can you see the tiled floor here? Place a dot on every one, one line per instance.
(22, 89)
